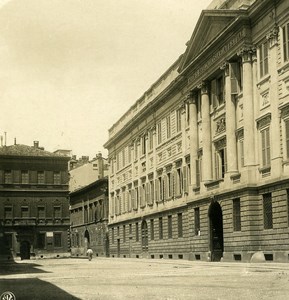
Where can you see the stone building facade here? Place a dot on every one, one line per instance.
(34, 206)
(199, 164)
(89, 218)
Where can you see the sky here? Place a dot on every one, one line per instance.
(69, 69)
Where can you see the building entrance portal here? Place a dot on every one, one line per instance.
(25, 250)
(144, 237)
(216, 231)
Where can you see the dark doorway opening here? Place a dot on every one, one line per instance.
(216, 231)
(86, 239)
(25, 250)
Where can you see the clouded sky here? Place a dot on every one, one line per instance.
(69, 69)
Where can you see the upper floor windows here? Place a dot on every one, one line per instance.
(285, 36)
(159, 131)
(217, 91)
(265, 144)
(24, 177)
(236, 77)
(179, 120)
(144, 144)
(40, 177)
(168, 124)
(263, 59)
(56, 178)
(7, 176)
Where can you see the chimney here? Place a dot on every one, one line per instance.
(100, 165)
(36, 144)
(14, 141)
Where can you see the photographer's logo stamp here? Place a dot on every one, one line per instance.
(7, 296)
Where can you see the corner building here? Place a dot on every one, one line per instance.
(199, 164)
(34, 205)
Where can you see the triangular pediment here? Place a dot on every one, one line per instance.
(210, 26)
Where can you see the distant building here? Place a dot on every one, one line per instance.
(199, 165)
(34, 205)
(89, 218)
(84, 171)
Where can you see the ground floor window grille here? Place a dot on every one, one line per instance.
(197, 220)
(237, 215)
(267, 211)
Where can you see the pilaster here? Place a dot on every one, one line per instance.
(206, 136)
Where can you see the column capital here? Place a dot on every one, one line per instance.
(247, 53)
(191, 97)
(204, 87)
(225, 66)
(272, 36)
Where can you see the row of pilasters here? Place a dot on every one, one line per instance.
(249, 76)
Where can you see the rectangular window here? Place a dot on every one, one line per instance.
(180, 225)
(159, 130)
(57, 239)
(287, 138)
(40, 177)
(123, 157)
(129, 154)
(220, 90)
(24, 177)
(168, 119)
(151, 141)
(136, 232)
(152, 230)
(56, 178)
(24, 212)
(135, 151)
(197, 220)
(285, 34)
(265, 140)
(198, 171)
(170, 227)
(241, 153)
(112, 235)
(220, 163)
(41, 239)
(160, 228)
(236, 215)
(41, 212)
(57, 212)
(267, 211)
(8, 213)
(130, 229)
(7, 177)
(263, 63)
(124, 237)
(179, 120)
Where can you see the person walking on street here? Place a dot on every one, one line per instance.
(89, 253)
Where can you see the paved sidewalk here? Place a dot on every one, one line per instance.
(123, 278)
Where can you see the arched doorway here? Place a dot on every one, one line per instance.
(86, 239)
(25, 250)
(144, 237)
(216, 231)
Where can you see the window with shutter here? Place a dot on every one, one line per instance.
(285, 36)
(214, 93)
(265, 142)
(287, 137)
(185, 182)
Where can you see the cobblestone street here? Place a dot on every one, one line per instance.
(107, 278)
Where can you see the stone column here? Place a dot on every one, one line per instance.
(276, 157)
(192, 101)
(248, 108)
(206, 134)
(230, 123)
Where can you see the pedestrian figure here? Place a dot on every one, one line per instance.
(89, 253)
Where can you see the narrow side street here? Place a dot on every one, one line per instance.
(107, 278)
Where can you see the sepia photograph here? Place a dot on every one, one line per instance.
(144, 149)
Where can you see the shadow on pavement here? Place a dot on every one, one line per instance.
(33, 288)
(12, 267)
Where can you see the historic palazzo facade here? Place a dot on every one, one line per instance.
(199, 165)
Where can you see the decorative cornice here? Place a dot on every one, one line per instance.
(264, 120)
